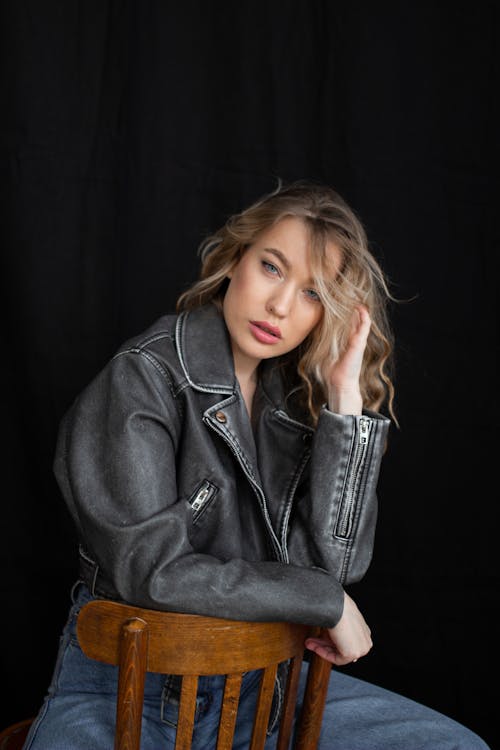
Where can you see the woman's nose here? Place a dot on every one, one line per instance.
(280, 303)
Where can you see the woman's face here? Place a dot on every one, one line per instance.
(271, 305)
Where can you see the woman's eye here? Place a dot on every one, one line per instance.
(312, 295)
(270, 267)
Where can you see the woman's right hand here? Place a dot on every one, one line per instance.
(347, 641)
(342, 377)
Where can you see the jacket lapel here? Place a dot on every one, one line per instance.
(280, 445)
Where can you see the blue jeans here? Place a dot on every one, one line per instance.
(79, 710)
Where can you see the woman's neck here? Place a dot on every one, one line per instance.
(248, 385)
(246, 369)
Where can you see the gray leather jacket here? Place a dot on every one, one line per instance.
(182, 504)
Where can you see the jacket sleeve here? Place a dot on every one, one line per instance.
(333, 525)
(115, 463)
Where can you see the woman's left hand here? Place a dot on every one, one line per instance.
(342, 376)
(347, 641)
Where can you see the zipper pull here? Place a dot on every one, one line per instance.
(200, 498)
(364, 430)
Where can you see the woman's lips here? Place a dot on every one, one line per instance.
(264, 332)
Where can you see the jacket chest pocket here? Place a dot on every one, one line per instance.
(201, 498)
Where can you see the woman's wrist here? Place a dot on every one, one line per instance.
(345, 402)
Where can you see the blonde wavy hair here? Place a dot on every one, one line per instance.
(359, 279)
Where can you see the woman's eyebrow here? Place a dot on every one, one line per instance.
(280, 256)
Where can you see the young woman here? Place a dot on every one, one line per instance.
(225, 463)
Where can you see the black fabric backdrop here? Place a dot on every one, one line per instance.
(129, 131)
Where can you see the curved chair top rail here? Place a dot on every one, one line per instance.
(222, 646)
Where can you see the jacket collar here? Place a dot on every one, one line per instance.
(204, 350)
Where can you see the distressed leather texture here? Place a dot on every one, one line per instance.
(182, 504)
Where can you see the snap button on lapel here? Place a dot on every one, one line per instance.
(220, 417)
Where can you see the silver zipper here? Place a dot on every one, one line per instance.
(364, 430)
(355, 470)
(283, 416)
(256, 488)
(201, 498)
(289, 505)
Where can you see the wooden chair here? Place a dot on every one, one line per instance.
(139, 640)
(12, 738)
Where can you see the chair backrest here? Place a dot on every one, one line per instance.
(139, 640)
